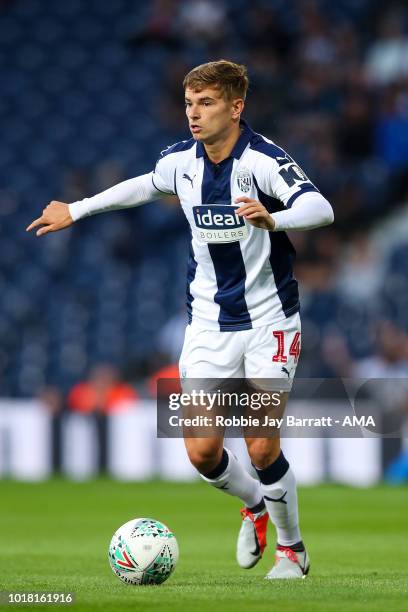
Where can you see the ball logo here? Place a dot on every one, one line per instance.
(244, 180)
(219, 223)
(122, 559)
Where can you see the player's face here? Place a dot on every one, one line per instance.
(210, 116)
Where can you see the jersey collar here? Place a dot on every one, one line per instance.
(240, 145)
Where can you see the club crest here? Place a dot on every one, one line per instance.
(244, 180)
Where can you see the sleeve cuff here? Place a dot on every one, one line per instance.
(77, 210)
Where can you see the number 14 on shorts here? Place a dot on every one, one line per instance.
(294, 349)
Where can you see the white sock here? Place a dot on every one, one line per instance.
(278, 486)
(231, 477)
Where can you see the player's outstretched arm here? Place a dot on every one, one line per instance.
(58, 215)
(55, 216)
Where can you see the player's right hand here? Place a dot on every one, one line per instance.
(56, 216)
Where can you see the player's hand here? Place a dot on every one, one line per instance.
(255, 212)
(56, 216)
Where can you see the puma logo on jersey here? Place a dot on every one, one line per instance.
(286, 371)
(185, 176)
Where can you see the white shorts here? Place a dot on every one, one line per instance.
(268, 353)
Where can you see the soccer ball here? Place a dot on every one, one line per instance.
(143, 551)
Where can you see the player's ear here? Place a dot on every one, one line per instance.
(237, 107)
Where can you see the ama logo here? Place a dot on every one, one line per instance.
(219, 223)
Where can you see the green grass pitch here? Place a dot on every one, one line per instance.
(54, 536)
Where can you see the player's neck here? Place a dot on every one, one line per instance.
(221, 149)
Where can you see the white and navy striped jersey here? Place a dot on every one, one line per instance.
(238, 276)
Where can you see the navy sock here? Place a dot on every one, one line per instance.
(258, 508)
(221, 467)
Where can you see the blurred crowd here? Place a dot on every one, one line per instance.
(92, 93)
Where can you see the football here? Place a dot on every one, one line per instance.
(143, 551)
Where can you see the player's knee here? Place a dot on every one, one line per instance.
(205, 456)
(263, 451)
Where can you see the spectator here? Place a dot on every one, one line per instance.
(391, 357)
(103, 392)
(160, 26)
(387, 57)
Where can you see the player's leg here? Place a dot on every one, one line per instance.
(270, 363)
(220, 468)
(206, 357)
(278, 486)
(210, 361)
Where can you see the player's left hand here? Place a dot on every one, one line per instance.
(255, 213)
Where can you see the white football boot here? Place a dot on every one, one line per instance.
(251, 538)
(289, 564)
